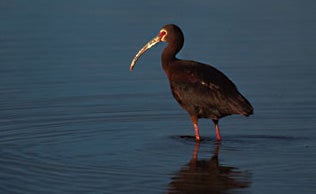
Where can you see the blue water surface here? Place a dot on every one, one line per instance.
(74, 119)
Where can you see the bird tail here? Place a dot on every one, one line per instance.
(242, 106)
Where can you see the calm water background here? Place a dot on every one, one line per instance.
(74, 119)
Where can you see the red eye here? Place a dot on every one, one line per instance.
(162, 34)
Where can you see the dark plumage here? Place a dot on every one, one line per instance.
(200, 89)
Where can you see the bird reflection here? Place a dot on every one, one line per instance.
(208, 176)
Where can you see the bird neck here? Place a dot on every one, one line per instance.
(169, 55)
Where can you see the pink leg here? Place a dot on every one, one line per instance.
(218, 135)
(196, 128)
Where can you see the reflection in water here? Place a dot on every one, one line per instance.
(208, 176)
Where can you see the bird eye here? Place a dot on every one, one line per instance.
(162, 34)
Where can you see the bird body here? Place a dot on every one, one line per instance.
(200, 89)
(205, 92)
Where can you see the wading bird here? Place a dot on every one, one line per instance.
(200, 89)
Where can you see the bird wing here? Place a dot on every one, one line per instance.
(203, 90)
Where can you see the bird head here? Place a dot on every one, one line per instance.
(169, 33)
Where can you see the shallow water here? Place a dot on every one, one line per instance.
(74, 119)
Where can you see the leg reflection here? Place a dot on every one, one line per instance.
(207, 176)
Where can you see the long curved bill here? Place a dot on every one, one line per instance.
(147, 46)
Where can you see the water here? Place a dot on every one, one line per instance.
(74, 119)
